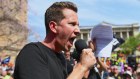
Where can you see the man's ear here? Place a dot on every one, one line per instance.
(53, 26)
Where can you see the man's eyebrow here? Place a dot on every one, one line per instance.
(75, 23)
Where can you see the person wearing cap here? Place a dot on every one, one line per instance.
(127, 75)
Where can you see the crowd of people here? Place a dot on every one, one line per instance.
(113, 71)
(109, 68)
(6, 68)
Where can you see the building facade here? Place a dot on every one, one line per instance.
(122, 31)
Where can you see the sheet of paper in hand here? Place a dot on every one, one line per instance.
(103, 36)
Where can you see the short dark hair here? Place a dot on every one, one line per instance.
(54, 12)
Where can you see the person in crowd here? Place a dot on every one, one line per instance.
(6, 71)
(117, 74)
(70, 61)
(129, 69)
(127, 75)
(136, 74)
(1, 72)
(45, 60)
(125, 67)
(111, 73)
(6, 75)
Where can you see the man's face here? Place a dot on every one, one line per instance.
(126, 76)
(67, 30)
(67, 55)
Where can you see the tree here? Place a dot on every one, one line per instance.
(131, 44)
(13, 27)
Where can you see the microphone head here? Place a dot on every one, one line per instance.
(80, 45)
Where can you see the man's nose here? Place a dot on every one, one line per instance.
(77, 31)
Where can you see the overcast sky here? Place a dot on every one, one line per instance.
(90, 12)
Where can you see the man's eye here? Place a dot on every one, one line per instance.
(73, 24)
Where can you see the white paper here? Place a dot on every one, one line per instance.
(105, 52)
(103, 35)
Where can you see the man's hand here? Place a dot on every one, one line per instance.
(87, 59)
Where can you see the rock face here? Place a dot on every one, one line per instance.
(13, 26)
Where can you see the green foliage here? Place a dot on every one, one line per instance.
(130, 44)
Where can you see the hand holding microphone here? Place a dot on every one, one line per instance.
(87, 58)
(85, 54)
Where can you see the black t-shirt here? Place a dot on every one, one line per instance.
(36, 61)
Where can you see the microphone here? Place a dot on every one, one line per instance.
(80, 45)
